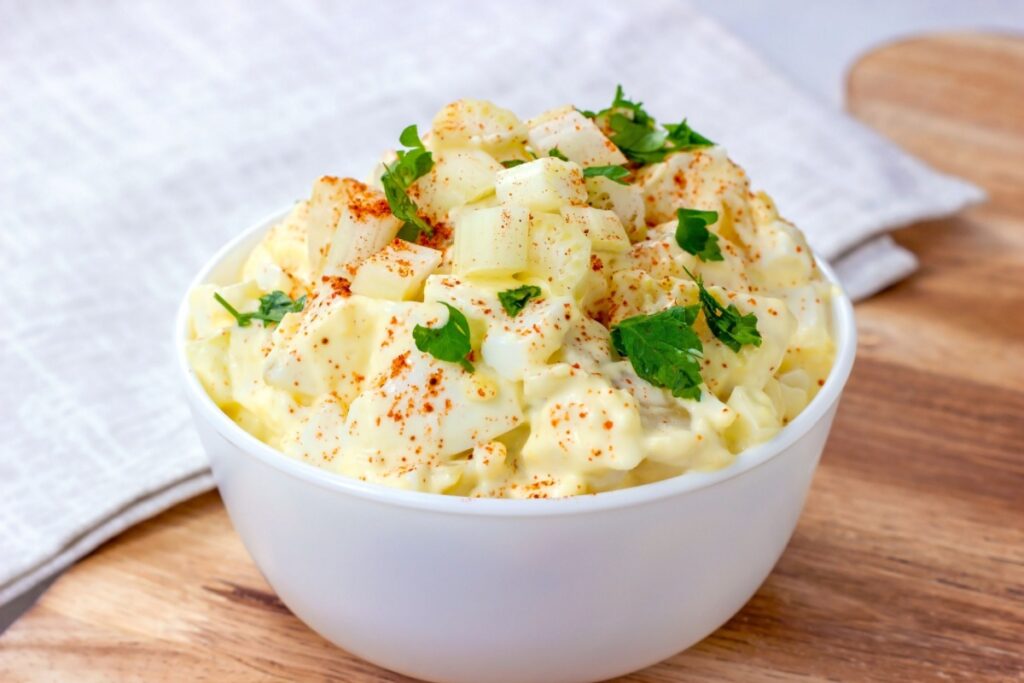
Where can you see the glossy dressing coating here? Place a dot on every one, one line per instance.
(550, 409)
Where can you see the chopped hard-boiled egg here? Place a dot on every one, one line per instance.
(575, 136)
(602, 227)
(551, 308)
(395, 272)
(492, 242)
(348, 221)
(459, 176)
(477, 124)
(546, 184)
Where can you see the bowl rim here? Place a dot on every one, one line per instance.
(844, 327)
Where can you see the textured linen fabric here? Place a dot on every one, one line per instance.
(137, 137)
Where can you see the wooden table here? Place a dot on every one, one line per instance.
(908, 563)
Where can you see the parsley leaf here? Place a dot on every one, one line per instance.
(633, 129)
(636, 110)
(616, 173)
(637, 135)
(684, 138)
(515, 300)
(730, 326)
(553, 152)
(277, 304)
(411, 164)
(512, 163)
(273, 307)
(641, 143)
(450, 342)
(664, 349)
(693, 236)
(410, 137)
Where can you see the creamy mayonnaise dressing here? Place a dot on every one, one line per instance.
(550, 408)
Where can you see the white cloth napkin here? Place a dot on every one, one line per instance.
(138, 136)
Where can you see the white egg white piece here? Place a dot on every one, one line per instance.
(479, 357)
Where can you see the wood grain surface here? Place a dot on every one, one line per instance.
(908, 563)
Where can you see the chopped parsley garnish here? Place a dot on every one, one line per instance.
(616, 173)
(273, 307)
(554, 152)
(730, 326)
(412, 164)
(512, 163)
(637, 135)
(636, 110)
(693, 236)
(450, 342)
(515, 300)
(640, 143)
(684, 138)
(664, 349)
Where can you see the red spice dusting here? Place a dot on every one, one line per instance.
(365, 202)
(608, 424)
(441, 237)
(404, 267)
(339, 285)
(399, 363)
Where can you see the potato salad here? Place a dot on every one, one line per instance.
(578, 302)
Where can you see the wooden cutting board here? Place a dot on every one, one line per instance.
(908, 563)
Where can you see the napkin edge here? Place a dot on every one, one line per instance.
(138, 510)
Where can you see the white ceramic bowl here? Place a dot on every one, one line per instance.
(513, 591)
